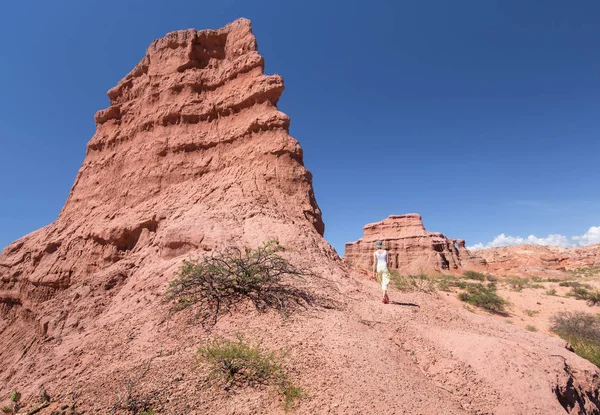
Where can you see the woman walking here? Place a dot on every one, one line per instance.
(380, 268)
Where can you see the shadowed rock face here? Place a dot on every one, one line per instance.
(411, 247)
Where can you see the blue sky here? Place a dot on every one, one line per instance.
(480, 115)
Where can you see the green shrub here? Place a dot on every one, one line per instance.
(484, 297)
(15, 396)
(537, 279)
(420, 282)
(218, 283)
(582, 331)
(574, 284)
(238, 363)
(537, 286)
(444, 285)
(531, 313)
(491, 278)
(531, 328)
(579, 293)
(517, 284)
(472, 275)
(593, 298)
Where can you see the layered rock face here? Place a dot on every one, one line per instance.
(411, 247)
(191, 153)
(528, 260)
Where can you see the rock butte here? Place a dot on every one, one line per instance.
(192, 155)
(412, 249)
(415, 250)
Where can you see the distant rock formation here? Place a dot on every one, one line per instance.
(538, 260)
(411, 247)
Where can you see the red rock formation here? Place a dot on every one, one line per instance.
(412, 249)
(538, 260)
(191, 154)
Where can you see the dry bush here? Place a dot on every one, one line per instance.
(238, 363)
(219, 282)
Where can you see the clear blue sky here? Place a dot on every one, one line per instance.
(483, 116)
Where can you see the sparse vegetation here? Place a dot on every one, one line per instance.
(238, 363)
(531, 313)
(579, 293)
(537, 279)
(130, 399)
(517, 284)
(491, 278)
(15, 397)
(221, 281)
(593, 271)
(531, 328)
(484, 297)
(420, 282)
(574, 284)
(551, 291)
(593, 298)
(582, 331)
(472, 275)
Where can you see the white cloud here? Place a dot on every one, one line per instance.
(592, 236)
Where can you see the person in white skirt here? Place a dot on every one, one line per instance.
(380, 268)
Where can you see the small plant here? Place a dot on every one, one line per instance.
(537, 279)
(218, 283)
(444, 285)
(238, 363)
(582, 331)
(574, 284)
(291, 394)
(579, 293)
(484, 297)
(531, 313)
(129, 398)
(531, 328)
(15, 397)
(593, 298)
(420, 282)
(472, 275)
(551, 291)
(517, 284)
(509, 322)
(491, 278)
(7, 409)
(554, 280)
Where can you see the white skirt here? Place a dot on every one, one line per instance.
(383, 276)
